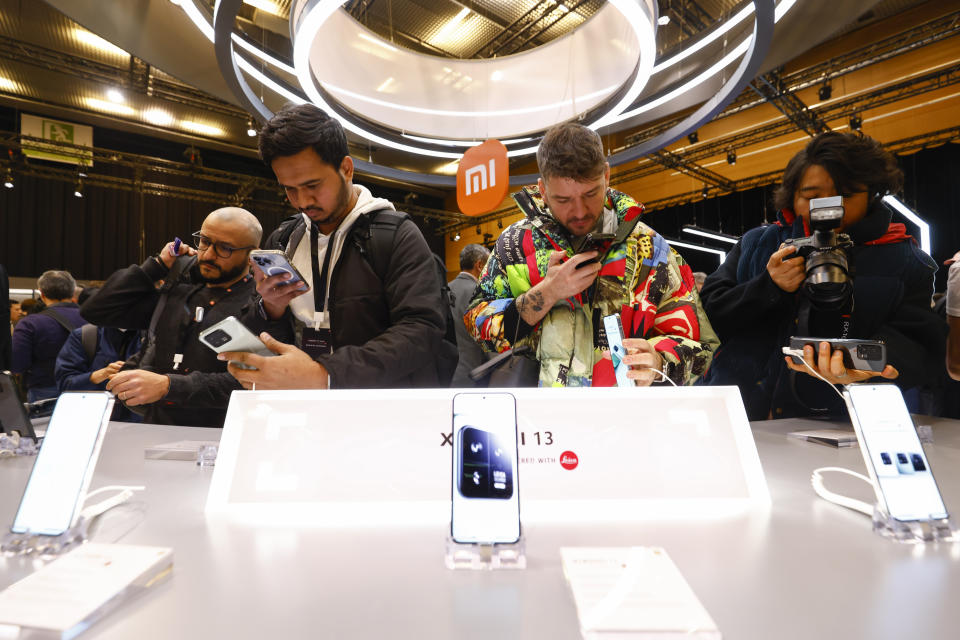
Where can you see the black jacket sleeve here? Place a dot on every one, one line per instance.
(412, 295)
(200, 389)
(128, 297)
(915, 336)
(736, 307)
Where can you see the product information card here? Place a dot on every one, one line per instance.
(633, 592)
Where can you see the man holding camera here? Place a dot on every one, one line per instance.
(581, 253)
(861, 278)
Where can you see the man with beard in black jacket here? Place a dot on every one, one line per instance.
(175, 378)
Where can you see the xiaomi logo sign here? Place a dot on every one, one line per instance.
(483, 178)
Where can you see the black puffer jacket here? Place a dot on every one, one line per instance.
(386, 334)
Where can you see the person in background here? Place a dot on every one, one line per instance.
(16, 312)
(473, 258)
(30, 306)
(38, 338)
(953, 316)
(699, 277)
(5, 332)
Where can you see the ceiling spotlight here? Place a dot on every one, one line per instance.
(825, 92)
(693, 138)
(499, 224)
(8, 180)
(731, 156)
(663, 20)
(479, 230)
(113, 95)
(456, 236)
(78, 188)
(251, 129)
(705, 192)
(856, 122)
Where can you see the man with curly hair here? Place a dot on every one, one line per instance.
(756, 301)
(579, 254)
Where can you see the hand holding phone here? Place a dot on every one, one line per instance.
(230, 335)
(275, 263)
(613, 327)
(840, 361)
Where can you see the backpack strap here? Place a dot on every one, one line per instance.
(378, 235)
(182, 264)
(88, 338)
(60, 318)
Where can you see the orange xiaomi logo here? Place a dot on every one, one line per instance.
(483, 178)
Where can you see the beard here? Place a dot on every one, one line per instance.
(223, 276)
(339, 210)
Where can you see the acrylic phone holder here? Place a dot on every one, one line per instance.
(921, 531)
(28, 543)
(486, 556)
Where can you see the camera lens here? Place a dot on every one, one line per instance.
(828, 284)
(218, 338)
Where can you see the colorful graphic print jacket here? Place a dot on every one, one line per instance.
(642, 278)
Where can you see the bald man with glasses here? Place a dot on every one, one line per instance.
(176, 379)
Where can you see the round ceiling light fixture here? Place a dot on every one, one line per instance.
(608, 107)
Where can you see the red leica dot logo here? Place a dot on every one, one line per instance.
(569, 460)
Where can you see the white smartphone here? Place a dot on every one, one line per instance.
(274, 262)
(485, 484)
(230, 335)
(58, 484)
(893, 454)
(613, 327)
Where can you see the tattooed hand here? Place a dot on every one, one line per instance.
(562, 280)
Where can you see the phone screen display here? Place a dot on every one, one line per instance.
(61, 473)
(613, 327)
(892, 450)
(485, 490)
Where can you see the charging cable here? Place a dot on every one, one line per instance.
(662, 375)
(850, 503)
(94, 510)
(798, 353)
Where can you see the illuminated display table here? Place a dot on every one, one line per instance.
(807, 569)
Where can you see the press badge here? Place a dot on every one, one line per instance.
(316, 342)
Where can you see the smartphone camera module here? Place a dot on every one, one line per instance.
(486, 470)
(218, 338)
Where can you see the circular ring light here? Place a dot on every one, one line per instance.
(313, 13)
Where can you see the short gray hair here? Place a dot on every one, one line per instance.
(471, 254)
(56, 285)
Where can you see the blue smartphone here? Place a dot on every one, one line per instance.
(614, 330)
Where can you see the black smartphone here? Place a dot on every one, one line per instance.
(593, 242)
(864, 355)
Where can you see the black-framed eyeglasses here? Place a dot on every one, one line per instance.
(202, 243)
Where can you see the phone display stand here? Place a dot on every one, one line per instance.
(913, 532)
(32, 544)
(479, 556)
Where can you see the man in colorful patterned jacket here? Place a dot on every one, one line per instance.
(581, 253)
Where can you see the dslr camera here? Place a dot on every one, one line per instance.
(829, 283)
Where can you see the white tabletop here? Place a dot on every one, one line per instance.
(808, 569)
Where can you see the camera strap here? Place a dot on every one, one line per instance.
(832, 323)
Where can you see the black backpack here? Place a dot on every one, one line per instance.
(375, 245)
